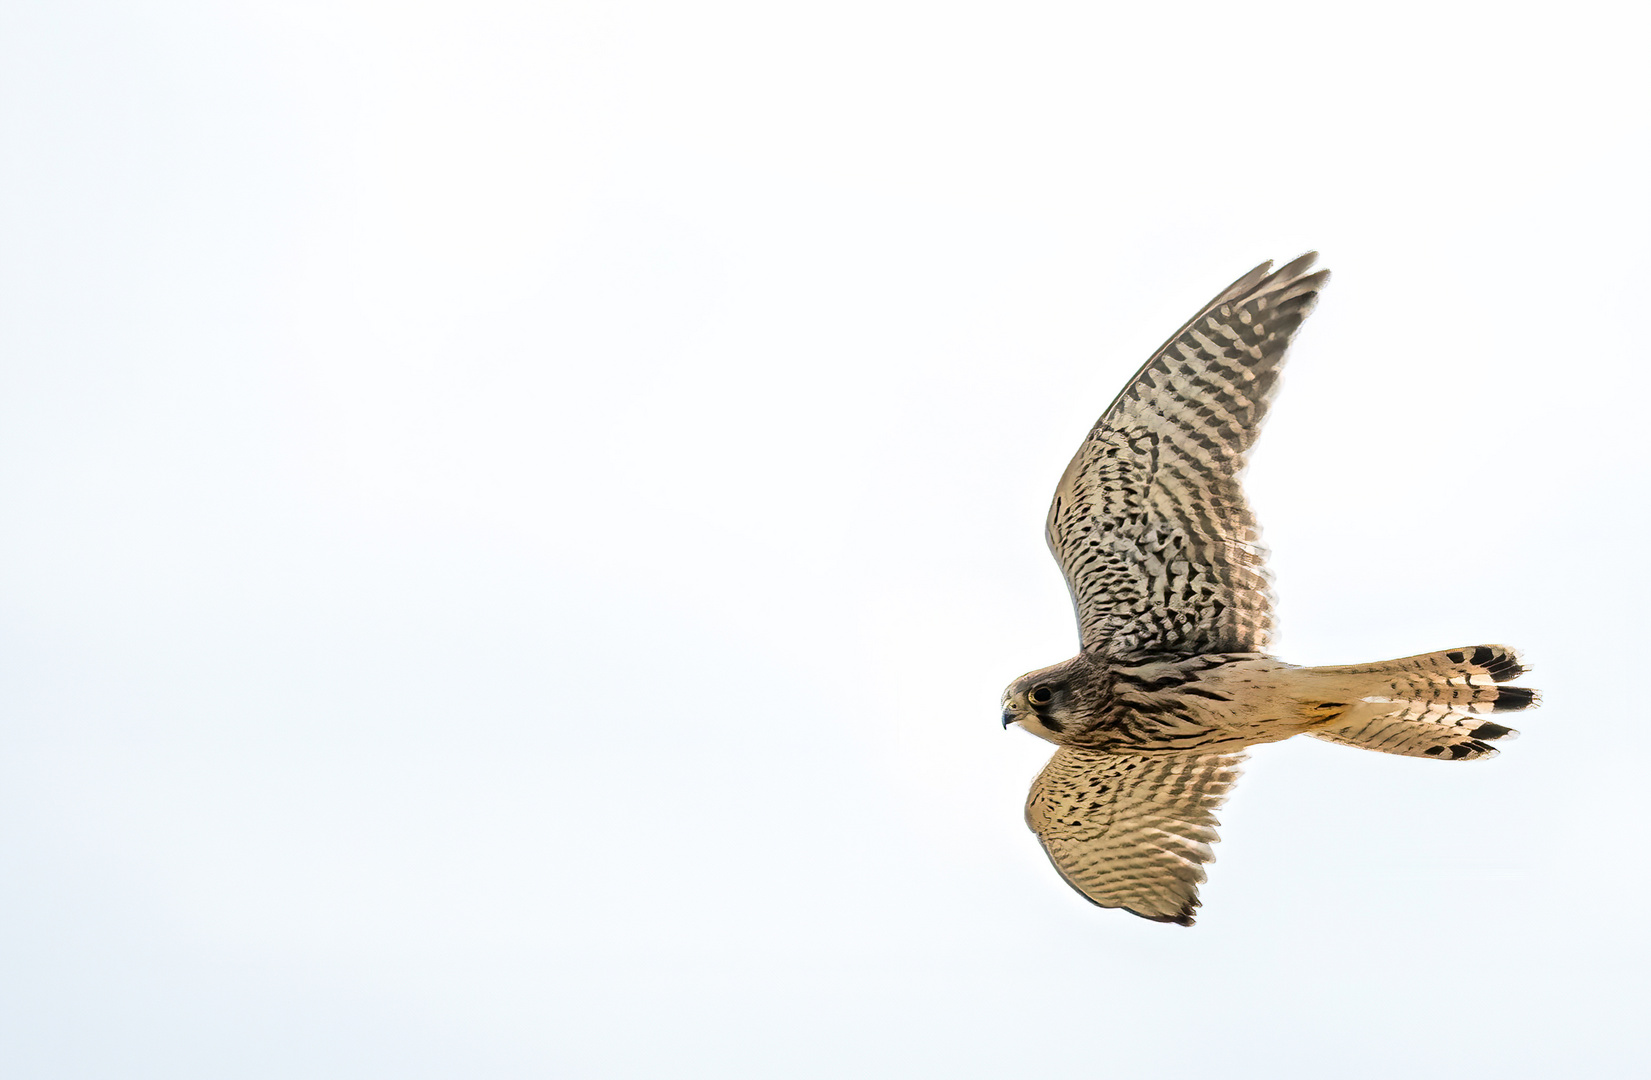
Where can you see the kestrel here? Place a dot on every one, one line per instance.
(1171, 682)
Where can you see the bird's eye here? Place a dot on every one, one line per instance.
(1040, 695)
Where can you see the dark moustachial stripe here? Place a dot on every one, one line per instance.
(1051, 723)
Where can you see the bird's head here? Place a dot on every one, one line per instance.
(1047, 702)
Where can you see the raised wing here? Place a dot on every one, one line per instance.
(1132, 831)
(1149, 523)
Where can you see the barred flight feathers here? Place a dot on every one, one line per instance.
(1149, 524)
(1132, 831)
(1433, 705)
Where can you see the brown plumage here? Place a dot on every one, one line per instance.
(1171, 682)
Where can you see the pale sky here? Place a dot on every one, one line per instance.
(517, 517)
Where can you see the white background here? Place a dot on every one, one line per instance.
(516, 518)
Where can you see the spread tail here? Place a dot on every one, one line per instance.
(1434, 705)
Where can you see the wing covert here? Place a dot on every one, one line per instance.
(1149, 523)
(1132, 831)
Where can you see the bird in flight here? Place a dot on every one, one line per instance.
(1172, 681)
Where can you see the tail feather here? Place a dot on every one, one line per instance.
(1432, 705)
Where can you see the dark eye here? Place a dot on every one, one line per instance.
(1040, 695)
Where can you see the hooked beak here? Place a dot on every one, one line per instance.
(1008, 717)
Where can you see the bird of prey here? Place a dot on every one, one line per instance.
(1172, 681)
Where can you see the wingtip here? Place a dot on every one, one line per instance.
(1183, 917)
(1297, 269)
(1247, 283)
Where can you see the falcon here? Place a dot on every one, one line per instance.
(1172, 680)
